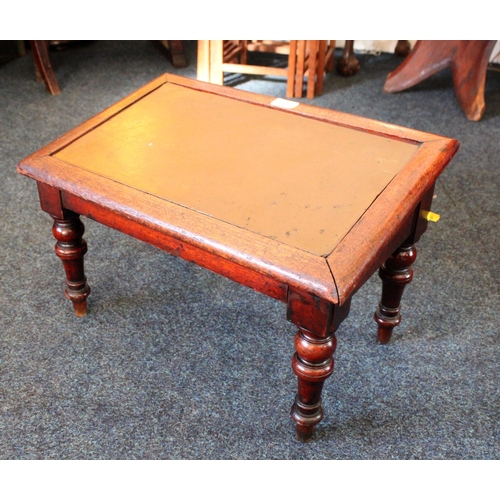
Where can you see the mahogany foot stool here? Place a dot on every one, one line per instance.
(300, 203)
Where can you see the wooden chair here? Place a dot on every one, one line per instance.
(307, 59)
(44, 72)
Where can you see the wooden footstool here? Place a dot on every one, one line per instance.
(300, 204)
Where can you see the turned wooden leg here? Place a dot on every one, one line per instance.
(395, 273)
(71, 248)
(313, 364)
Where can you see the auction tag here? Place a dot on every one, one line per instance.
(284, 103)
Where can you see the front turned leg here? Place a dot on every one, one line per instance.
(395, 273)
(313, 364)
(71, 248)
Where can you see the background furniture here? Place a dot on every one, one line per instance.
(45, 73)
(43, 68)
(175, 52)
(468, 60)
(348, 64)
(307, 60)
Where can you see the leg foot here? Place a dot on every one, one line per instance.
(306, 417)
(395, 273)
(348, 63)
(313, 364)
(71, 248)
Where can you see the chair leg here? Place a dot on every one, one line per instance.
(203, 61)
(348, 64)
(403, 48)
(311, 70)
(292, 69)
(320, 72)
(244, 52)
(330, 56)
(40, 50)
(299, 74)
(216, 61)
(177, 54)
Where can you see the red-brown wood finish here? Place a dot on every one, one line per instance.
(71, 248)
(316, 287)
(468, 60)
(43, 67)
(403, 48)
(313, 362)
(348, 64)
(395, 273)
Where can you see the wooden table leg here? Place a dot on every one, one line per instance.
(71, 248)
(395, 273)
(312, 362)
(468, 60)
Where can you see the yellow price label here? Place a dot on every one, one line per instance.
(430, 216)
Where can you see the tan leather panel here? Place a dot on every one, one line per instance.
(298, 180)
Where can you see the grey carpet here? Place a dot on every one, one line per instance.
(175, 362)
